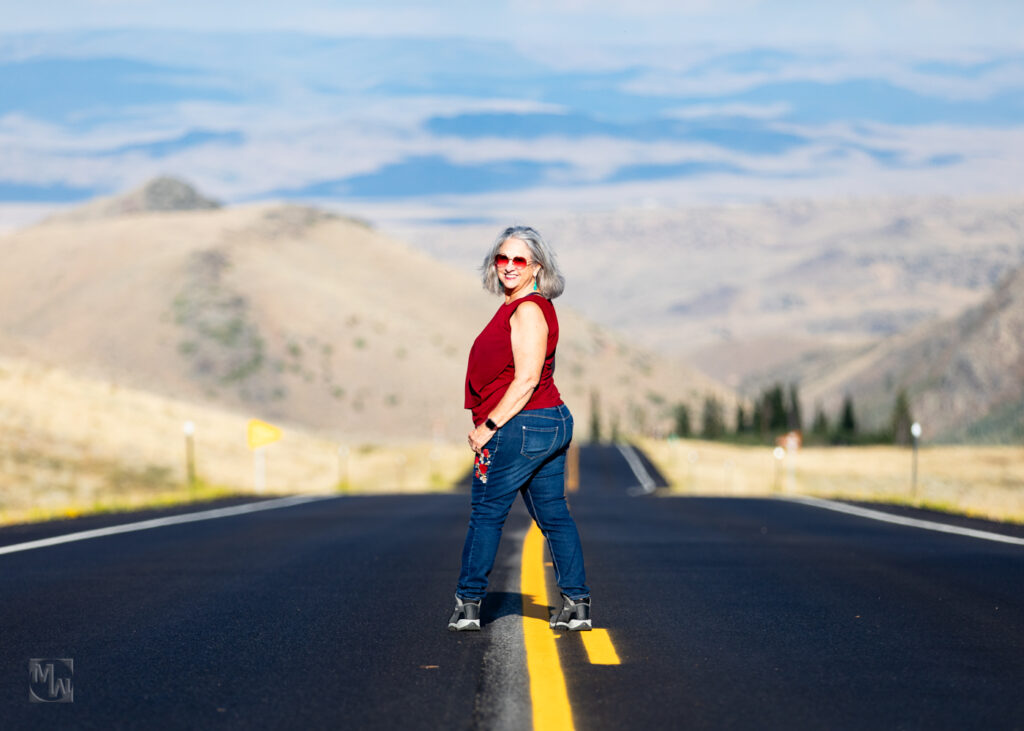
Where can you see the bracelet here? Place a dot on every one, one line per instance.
(490, 424)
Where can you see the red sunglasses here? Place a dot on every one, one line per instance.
(519, 262)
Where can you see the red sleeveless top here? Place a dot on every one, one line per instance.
(491, 366)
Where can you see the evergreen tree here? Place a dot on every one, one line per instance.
(757, 422)
(794, 417)
(764, 422)
(847, 421)
(820, 426)
(901, 419)
(714, 423)
(775, 409)
(595, 417)
(682, 419)
(741, 420)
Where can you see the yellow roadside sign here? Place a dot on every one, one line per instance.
(260, 434)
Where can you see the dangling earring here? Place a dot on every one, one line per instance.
(535, 287)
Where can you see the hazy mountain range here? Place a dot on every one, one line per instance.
(298, 315)
(849, 296)
(964, 376)
(737, 287)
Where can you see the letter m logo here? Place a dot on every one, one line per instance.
(50, 680)
(40, 673)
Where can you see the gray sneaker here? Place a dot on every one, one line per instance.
(466, 615)
(574, 616)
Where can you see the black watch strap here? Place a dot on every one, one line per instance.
(490, 424)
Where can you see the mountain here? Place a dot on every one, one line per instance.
(964, 376)
(739, 287)
(160, 194)
(292, 314)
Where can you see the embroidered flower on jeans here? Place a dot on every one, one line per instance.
(481, 463)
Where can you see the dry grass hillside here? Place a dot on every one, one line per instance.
(964, 376)
(292, 314)
(74, 444)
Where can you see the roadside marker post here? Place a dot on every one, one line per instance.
(259, 434)
(259, 479)
(779, 453)
(915, 433)
(190, 454)
(792, 443)
(572, 468)
(786, 448)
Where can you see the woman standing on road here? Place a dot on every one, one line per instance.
(522, 428)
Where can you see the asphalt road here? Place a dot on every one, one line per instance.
(725, 613)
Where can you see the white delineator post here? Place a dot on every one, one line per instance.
(190, 453)
(779, 454)
(258, 435)
(259, 469)
(915, 433)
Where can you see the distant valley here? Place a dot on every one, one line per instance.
(792, 291)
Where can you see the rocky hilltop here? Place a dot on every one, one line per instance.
(160, 194)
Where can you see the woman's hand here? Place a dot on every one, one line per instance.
(479, 437)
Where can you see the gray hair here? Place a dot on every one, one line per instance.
(550, 282)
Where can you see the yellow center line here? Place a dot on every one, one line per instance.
(600, 650)
(551, 709)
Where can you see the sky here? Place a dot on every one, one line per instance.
(890, 24)
(460, 109)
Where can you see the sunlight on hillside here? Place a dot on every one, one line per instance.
(73, 445)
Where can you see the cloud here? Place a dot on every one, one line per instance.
(352, 114)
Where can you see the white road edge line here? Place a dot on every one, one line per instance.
(642, 475)
(900, 520)
(283, 502)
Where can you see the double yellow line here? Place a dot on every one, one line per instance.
(551, 709)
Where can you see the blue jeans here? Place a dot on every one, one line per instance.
(526, 455)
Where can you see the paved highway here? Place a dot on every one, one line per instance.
(331, 613)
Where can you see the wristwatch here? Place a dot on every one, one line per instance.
(490, 424)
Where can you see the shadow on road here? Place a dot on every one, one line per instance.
(498, 604)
